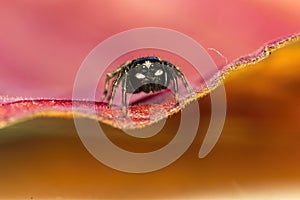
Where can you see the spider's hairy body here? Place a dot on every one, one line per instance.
(147, 74)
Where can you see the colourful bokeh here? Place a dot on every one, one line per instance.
(43, 44)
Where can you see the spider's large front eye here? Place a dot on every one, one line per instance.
(158, 72)
(144, 68)
(139, 76)
(152, 68)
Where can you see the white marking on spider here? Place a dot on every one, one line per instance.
(158, 72)
(147, 64)
(139, 76)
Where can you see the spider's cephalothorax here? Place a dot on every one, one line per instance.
(148, 74)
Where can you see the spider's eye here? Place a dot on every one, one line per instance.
(139, 76)
(152, 68)
(158, 72)
(144, 69)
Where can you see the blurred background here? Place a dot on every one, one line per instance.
(42, 45)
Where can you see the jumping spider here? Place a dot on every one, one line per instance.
(147, 74)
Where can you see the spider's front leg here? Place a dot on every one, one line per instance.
(110, 76)
(124, 95)
(181, 76)
(115, 84)
(175, 87)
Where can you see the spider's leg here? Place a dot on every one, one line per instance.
(111, 75)
(181, 76)
(115, 84)
(108, 77)
(175, 86)
(124, 96)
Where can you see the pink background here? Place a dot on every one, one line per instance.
(43, 43)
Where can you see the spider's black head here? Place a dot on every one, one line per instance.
(148, 74)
